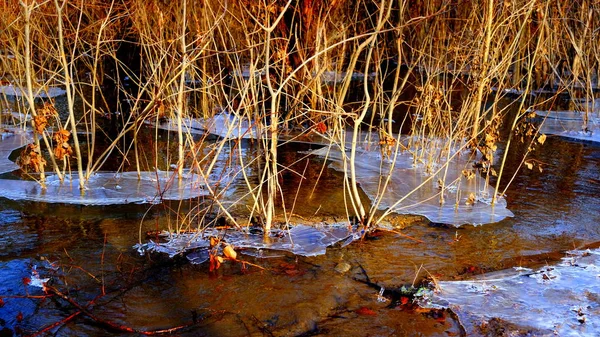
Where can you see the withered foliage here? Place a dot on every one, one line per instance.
(31, 159)
(44, 116)
(62, 149)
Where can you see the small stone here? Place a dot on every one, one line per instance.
(342, 267)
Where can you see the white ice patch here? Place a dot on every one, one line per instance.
(36, 280)
(299, 240)
(48, 92)
(188, 125)
(570, 124)
(416, 184)
(563, 299)
(102, 188)
(225, 125)
(108, 188)
(12, 139)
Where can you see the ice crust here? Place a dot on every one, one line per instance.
(406, 177)
(12, 139)
(559, 300)
(108, 188)
(569, 124)
(225, 125)
(48, 92)
(299, 240)
(420, 190)
(103, 188)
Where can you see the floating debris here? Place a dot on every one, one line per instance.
(299, 240)
(563, 299)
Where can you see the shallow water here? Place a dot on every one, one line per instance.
(91, 249)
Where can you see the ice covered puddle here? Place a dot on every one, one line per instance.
(225, 125)
(299, 240)
(103, 188)
(12, 139)
(108, 188)
(412, 190)
(559, 300)
(580, 125)
(47, 92)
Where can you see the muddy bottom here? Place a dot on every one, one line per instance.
(101, 286)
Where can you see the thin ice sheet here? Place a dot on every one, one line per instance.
(49, 92)
(299, 240)
(420, 191)
(108, 188)
(11, 140)
(561, 300)
(570, 124)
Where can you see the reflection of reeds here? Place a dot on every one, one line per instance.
(315, 66)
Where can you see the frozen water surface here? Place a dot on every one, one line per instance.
(570, 124)
(410, 182)
(48, 92)
(191, 125)
(12, 139)
(562, 300)
(226, 125)
(413, 187)
(300, 240)
(108, 188)
(103, 188)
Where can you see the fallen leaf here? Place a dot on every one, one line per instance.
(471, 199)
(215, 262)
(541, 139)
(229, 252)
(321, 127)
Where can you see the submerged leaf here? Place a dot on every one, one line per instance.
(365, 311)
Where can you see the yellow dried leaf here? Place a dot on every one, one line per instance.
(229, 252)
(469, 174)
(471, 199)
(213, 241)
(529, 165)
(541, 139)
